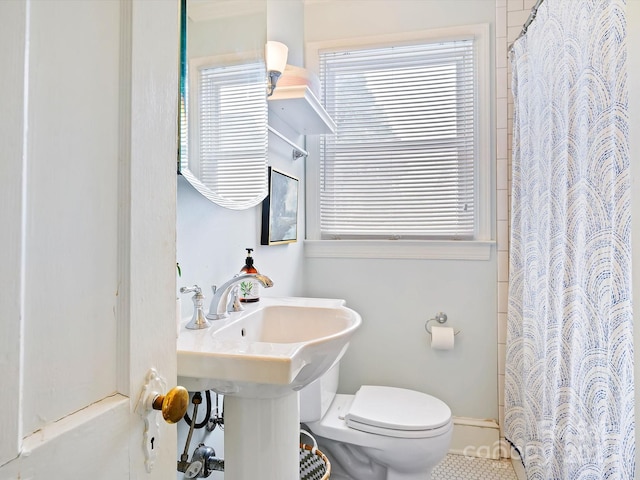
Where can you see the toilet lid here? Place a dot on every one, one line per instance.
(396, 409)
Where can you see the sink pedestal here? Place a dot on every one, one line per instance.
(261, 438)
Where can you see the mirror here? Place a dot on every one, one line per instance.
(223, 111)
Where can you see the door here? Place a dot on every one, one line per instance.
(88, 96)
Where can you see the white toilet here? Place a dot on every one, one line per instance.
(380, 433)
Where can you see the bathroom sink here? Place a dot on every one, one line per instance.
(274, 347)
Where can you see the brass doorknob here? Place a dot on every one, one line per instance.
(173, 404)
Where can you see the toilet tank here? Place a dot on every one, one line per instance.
(316, 397)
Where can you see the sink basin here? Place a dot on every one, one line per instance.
(273, 348)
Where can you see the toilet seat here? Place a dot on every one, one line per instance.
(397, 412)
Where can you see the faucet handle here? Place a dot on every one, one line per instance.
(198, 321)
(234, 305)
(194, 289)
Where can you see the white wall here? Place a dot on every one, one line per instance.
(396, 297)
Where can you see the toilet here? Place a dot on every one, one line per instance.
(380, 433)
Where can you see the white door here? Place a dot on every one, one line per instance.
(88, 99)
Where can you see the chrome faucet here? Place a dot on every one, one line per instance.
(218, 309)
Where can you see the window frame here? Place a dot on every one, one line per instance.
(479, 248)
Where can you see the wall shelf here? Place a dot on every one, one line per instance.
(299, 108)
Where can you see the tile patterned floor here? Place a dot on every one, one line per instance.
(459, 467)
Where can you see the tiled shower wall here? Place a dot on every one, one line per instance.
(510, 17)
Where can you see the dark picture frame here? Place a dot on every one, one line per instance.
(280, 209)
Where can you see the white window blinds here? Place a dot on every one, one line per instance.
(401, 164)
(233, 130)
(184, 130)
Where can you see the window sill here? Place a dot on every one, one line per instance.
(405, 249)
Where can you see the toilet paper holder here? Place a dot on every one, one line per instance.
(441, 318)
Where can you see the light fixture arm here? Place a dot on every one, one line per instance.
(273, 79)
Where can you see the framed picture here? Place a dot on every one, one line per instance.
(280, 209)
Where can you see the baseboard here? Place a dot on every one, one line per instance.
(474, 437)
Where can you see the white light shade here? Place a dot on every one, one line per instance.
(276, 56)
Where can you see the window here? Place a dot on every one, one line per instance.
(408, 160)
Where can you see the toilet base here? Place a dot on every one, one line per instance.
(348, 463)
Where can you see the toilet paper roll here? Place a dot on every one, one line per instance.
(442, 338)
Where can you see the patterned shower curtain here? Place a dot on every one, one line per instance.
(569, 393)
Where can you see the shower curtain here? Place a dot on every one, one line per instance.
(569, 394)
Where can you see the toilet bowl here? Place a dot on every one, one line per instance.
(380, 433)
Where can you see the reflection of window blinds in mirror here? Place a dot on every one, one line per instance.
(184, 127)
(402, 164)
(233, 130)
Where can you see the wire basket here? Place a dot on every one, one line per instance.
(314, 465)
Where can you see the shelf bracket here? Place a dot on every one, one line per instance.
(297, 151)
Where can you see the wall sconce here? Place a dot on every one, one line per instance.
(276, 60)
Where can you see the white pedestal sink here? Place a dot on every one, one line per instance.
(259, 359)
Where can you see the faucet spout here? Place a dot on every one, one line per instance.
(218, 308)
